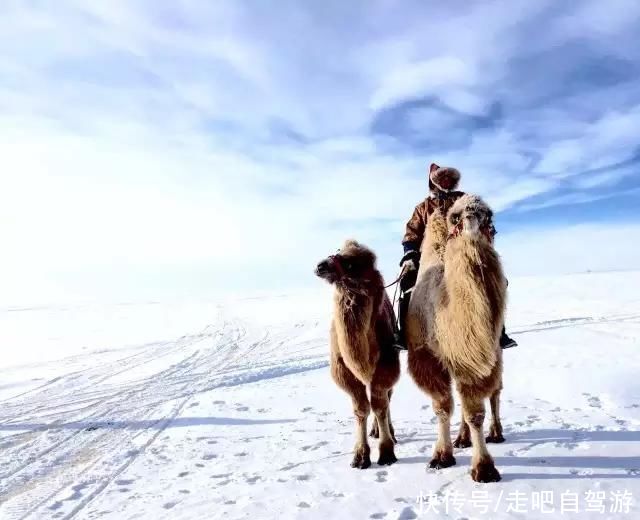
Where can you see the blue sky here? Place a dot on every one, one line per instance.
(186, 148)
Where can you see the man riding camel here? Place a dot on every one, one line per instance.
(443, 182)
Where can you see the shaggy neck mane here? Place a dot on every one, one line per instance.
(356, 310)
(352, 300)
(474, 295)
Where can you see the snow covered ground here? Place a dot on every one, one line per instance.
(226, 410)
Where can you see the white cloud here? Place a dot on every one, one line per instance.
(413, 80)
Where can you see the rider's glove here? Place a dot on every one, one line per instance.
(409, 262)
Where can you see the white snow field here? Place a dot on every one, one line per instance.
(227, 410)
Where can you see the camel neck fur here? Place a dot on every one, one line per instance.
(355, 313)
(475, 297)
(472, 292)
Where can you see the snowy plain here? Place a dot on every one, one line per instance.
(225, 409)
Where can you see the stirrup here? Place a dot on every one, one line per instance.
(398, 344)
(508, 343)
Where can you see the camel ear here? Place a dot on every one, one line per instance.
(433, 167)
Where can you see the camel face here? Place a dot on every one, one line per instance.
(353, 264)
(469, 216)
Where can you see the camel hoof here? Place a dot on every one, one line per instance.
(462, 442)
(485, 472)
(495, 438)
(387, 455)
(442, 460)
(361, 458)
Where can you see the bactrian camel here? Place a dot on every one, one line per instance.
(453, 327)
(362, 353)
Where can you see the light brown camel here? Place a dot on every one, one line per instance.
(362, 353)
(453, 325)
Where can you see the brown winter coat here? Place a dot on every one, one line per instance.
(442, 183)
(418, 221)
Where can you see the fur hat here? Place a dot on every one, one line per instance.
(439, 174)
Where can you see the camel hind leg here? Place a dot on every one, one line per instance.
(495, 429)
(375, 429)
(463, 440)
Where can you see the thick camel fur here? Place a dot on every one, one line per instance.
(453, 324)
(362, 354)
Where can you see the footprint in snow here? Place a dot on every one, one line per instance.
(183, 474)
(303, 505)
(407, 514)
(242, 409)
(594, 402)
(219, 402)
(314, 447)
(378, 516)
(209, 456)
(332, 494)
(221, 475)
(307, 409)
(303, 478)
(241, 454)
(381, 476)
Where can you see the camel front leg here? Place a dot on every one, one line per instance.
(495, 429)
(361, 409)
(443, 450)
(380, 406)
(375, 430)
(483, 468)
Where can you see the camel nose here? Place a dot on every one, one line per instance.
(322, 268)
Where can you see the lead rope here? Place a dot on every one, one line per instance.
(395, 299)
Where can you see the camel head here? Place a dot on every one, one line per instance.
(470, 216)
(354, 265)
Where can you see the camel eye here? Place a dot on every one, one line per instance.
(455, 218)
